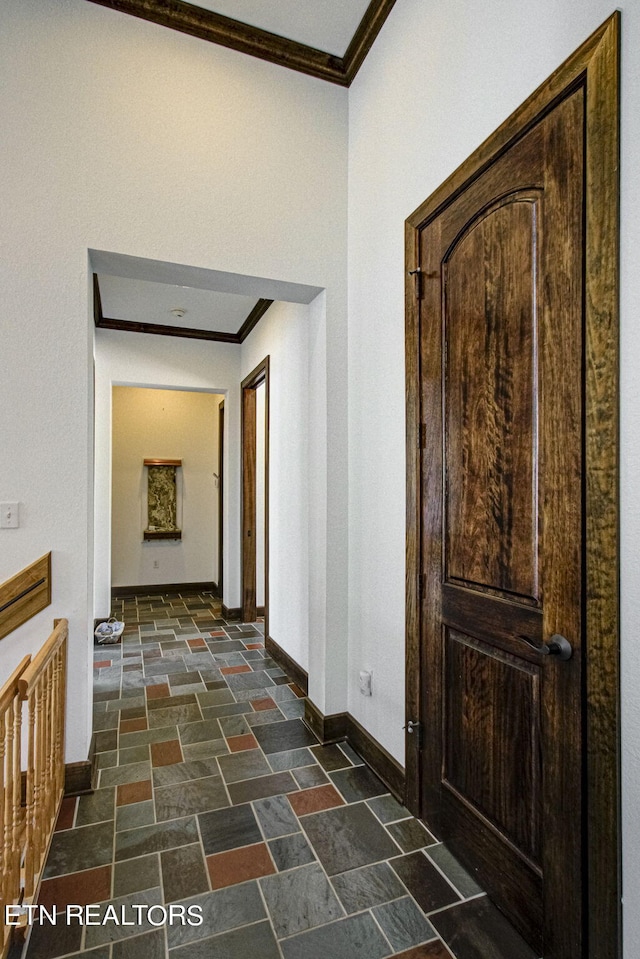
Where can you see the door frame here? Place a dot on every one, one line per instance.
(248, 546)
(595, 66)
(220, 498)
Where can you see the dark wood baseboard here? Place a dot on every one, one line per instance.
(79, 778)
(284, 660)
(207, 587)
(328, 729)
(340, 726)
(390, 771)
(231, 614)
(260, 610)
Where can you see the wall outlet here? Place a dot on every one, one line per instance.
(9, 516)
(156, 564)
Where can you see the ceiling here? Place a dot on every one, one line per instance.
(140, 296)
(140, 304)
(328, 39)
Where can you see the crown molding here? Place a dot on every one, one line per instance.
(253, 319)
(206, 25)
(364, 37)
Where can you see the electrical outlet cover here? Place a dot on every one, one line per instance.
(9, 516)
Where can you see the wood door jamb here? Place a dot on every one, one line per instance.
(247, 431)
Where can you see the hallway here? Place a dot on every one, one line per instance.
(213, 793)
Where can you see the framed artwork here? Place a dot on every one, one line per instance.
(162, 499)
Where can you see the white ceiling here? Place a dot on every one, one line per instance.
(141, 301)
(328, 25)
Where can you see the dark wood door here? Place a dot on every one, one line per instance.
(501, 354)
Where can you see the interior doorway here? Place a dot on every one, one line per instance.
(255, 494)
(155, 432)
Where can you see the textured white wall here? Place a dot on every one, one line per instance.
(172, 424)
(282, 334)
(121, 135)
(439, 79)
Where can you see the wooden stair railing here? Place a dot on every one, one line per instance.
(28, 826)
(11, 808)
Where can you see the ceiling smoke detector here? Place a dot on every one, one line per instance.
(178, 312)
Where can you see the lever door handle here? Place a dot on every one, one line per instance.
(557, 646)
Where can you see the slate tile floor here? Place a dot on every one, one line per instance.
(212, 792)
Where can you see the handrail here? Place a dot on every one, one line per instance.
(42, 658)
(11, 687)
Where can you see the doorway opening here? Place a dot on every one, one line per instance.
(165, 529)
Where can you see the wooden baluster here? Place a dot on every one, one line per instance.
(10, 797)
(30, 798)
(62, 698)
(41, 763)
(5, 823)
(17, 815)
(47, 760)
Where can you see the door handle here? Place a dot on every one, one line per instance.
(557, 646)
(415, 728)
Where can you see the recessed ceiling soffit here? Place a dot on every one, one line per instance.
(178, 326)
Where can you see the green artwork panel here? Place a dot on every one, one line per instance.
(162, 499)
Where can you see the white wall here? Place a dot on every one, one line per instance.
(439, 79)
(282, 335)
(307, 490)
(121, 135)
(170, 424)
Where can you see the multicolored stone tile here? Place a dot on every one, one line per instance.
(214, 794)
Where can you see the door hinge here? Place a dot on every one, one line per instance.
(417, 279)
(422, 436)
(422, 582)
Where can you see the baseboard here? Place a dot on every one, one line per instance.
(390, 771)
(328, 729)
(208, 587)
(260, 610)
(284, 660)
(79, 778)
(340, 726)
(231, 614)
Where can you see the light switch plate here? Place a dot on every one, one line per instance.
(9, 516)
